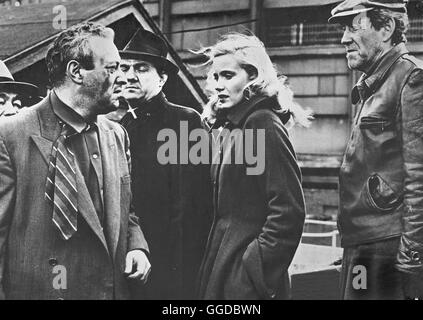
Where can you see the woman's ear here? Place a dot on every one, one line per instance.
(253, 76)
(251, 71)
(74, 71)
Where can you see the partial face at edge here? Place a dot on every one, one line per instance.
(231, 80)
(10, 103)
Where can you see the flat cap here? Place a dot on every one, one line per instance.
(353, 7)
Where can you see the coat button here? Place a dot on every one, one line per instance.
(53, 262)
(95, 155)
(272, 295)
(415, 256)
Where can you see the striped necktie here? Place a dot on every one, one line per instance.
(61, 185)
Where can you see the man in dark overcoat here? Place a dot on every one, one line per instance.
(171, 199)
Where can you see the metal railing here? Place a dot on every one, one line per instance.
(302, 34)
(333, 234)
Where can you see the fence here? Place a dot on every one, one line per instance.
(302, 34)
(319, 232)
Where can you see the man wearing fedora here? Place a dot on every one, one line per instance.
(381, 177)
(15, 95)
(172, 200)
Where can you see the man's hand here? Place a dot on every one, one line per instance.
(138, 266)
(413, 286)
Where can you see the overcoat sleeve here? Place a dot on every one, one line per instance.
(280, 185)
(7, 199)
(410, 254)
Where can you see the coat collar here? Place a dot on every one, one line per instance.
(368, 83)
(240, 112)
(154, 107)
(237, 115)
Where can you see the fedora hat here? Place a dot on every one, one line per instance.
(147, 46)
(8, 83)
(354, 7)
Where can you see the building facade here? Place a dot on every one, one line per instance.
(305, 48)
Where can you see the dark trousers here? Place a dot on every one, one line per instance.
(368, 272)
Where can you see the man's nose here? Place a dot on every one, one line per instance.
(9, 108)
(121, 77)
(131, 75)
(346, 37)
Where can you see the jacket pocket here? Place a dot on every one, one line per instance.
(253, 264)
(379, 195)
(376, 124)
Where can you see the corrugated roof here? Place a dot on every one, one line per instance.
(21, 27)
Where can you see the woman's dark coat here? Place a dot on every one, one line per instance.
(258, 219)
(172, 201)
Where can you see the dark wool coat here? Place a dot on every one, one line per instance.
(30, 244)
(258, 219)
(173, 201)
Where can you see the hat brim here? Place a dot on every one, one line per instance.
(168, 65)
(344, 14)
(22, 88)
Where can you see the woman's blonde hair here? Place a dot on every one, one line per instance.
(251, 54)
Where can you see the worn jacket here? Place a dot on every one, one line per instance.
(32, 253)
(381, 177)
(172, 200)
(258, 216)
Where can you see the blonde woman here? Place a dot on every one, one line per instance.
(258, 215)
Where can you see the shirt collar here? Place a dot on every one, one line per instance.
(369, 82)
(67, 114)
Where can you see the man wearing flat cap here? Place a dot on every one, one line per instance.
(381, 177)
(172, 200)
(15, 95)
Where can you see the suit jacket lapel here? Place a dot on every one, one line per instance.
(86, 208)
(111, 184)
(49, 131)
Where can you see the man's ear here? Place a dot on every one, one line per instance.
(163, 78)
(74, 71)
(388, 30)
